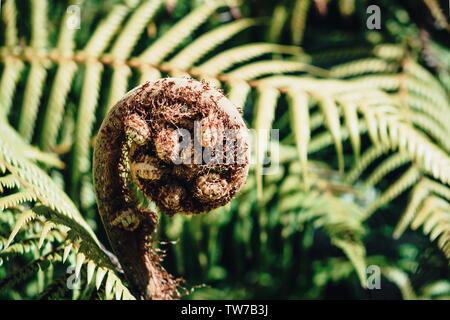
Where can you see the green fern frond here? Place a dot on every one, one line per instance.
(387, 166)
(9, 182)
(407, 180)
(356, 253)
(32, 96)
(202, 45)
(257, 69)
(173, 38)
(265, 113)
(230, 57)
(432, 128)
(17, 198)
(128, 37)
(123, 46)
(400, 278)
(86, 118)
(277, 22)
(359, 67)
(10, 77)
(298, 20)
(331, 115)
(351, 122)
(299, 108)
(105, 31)
(55, 109)
(238, 92)
(9, 13)
(48, 226)
(24, 218)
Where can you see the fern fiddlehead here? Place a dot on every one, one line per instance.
(181, 144)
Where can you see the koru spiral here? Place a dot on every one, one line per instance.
(180, 143)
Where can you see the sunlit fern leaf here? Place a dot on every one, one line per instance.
(91, 267)
(418, 72)
(79, 259)
(9, 12)
(105, 31)
(32, 95)
(123, 46)
(202, 45)
(101, 272)
(299, 108)
(230, 57)
(265, 113)
(128, 37)
(173, 38)
(257, 69)
(406, 181)
(331, 115)
(18, 248)
(428, 207)
(433, 128)
(358, 67)
(325, 139)
(238, 92)
(16, 198)
(88, 248)
(38, 72)
(61, 85)
(433, 159)
(67, 249)
(387, 166)
(277, 23)
(91, 87)
(356, 253)
(24, 218)
(119, 84)
(351, 121)
(48, 226)
(420, 104)
(86, 118)
(9, 182)
(390, 51)
(55, 109)
(341, 220)
(298, 20)
(37, 184)
(438, 13)
(9, 80)
(435, 98)
(400, 278)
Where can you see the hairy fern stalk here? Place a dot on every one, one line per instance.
(363, 147)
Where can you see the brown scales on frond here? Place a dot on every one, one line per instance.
(140, 144)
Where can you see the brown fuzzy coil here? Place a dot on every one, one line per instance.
(185, 146)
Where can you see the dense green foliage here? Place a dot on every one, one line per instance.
(363, 117)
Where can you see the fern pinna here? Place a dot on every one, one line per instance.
(362, 123)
